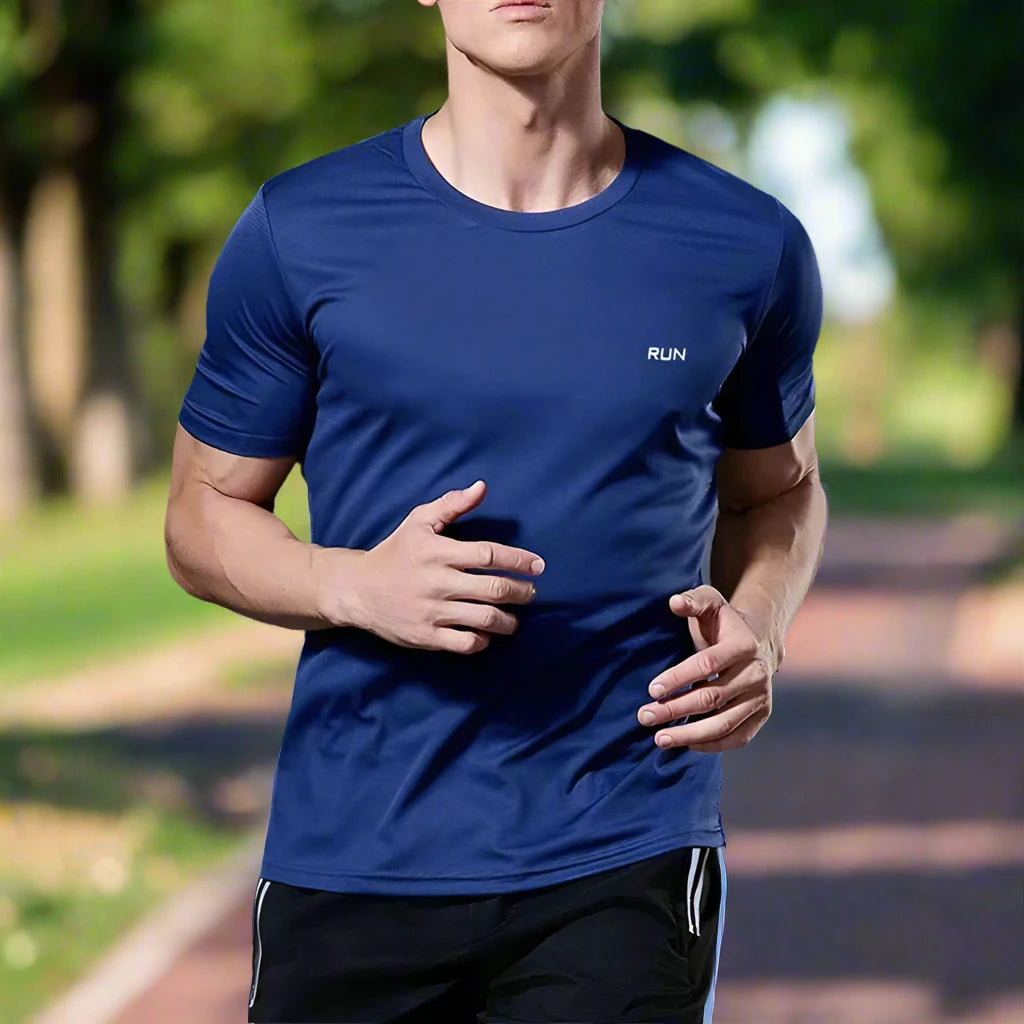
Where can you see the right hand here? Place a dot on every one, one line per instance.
(412, 590)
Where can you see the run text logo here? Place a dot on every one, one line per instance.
(666, 354)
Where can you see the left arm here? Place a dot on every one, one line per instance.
(766, 549)
(771, 522)
(770, 534)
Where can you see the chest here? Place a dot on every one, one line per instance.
(522, 327)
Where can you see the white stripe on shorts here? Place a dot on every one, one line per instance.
(260, 893)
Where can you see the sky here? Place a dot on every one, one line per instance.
(799, 152)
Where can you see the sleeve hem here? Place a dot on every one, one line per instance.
(796, 421)
(233, 441)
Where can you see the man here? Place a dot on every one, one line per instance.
(531, 360)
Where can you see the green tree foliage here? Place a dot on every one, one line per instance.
(934, 92)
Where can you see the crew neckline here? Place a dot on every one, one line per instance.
(420, 164)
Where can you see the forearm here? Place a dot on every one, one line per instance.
(763, 559)
(241, 556)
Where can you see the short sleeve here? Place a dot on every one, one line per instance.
(770, 392)
(254, 388)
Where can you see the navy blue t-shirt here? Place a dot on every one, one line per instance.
(402, 339)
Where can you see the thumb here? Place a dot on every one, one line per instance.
(697, 601)
(442, 511)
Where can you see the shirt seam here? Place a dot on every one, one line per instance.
(277, 264)
(775, 276)
(495, 226)
(482, 222)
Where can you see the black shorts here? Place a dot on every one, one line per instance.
(635, 943)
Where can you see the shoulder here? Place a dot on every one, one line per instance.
(679, 177)
(344, 174)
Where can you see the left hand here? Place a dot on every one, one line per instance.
(735, 704)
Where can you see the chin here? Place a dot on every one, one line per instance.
(520, 60)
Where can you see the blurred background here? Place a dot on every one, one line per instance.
(874, 827)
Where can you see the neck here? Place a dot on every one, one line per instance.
(527, 143)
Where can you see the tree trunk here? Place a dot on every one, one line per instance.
(17, 469)
(109, 434)
(79, 364)
(53, 261)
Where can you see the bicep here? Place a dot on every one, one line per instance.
(747, 477)
(196, 465)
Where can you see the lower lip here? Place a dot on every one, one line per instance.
(521, 10)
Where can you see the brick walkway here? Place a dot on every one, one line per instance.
(874, 826)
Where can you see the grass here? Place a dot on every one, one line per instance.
(251, 676)
(51, 936)
(97, 827)
(78, 585)
(927, 488)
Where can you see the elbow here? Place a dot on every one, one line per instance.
(175, 552)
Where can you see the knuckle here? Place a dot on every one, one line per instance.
(706, 664)
(485, 553)
(466, 642)
(492, 617)
(708, 698)
(439, 588)
(760, 672)
(500, 588)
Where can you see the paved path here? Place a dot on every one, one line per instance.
(875, 844)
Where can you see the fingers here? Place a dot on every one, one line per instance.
(719, 726)
(483, 617)
(707, 697)
(737, 738)
(741, 645)
(458, 585)
(487, 554)
(461, 641)
(441, 512)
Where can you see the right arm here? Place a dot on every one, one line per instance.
(226, 546)
(245, 420)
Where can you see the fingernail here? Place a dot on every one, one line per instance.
(657, 690)
(664, 740)
(537, 565)
(647, 717)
